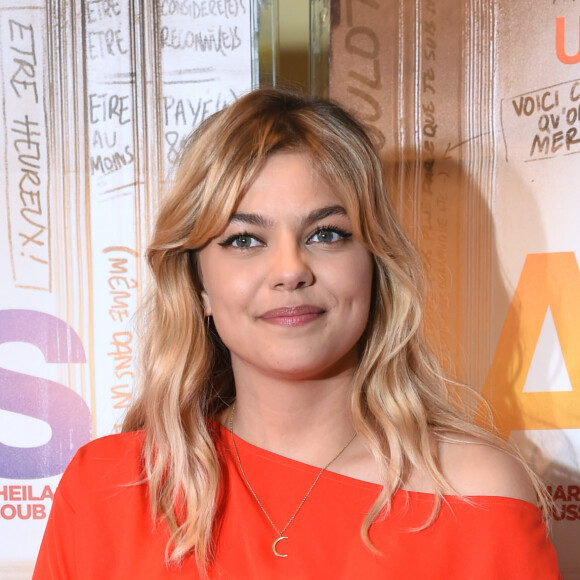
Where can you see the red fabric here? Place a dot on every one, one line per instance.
(101, 527)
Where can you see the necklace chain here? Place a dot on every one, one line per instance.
(278, 531)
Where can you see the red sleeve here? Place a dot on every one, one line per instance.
(56, 558)
(521, 547)
(98, 502)
(503, 539)
(487, 538)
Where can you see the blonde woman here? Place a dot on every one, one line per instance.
(291, 422)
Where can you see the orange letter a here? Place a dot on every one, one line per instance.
(547, 281)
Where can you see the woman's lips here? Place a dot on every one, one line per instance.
(293, 315)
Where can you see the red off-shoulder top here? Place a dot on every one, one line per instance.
(101, 526)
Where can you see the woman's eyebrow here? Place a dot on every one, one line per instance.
(322, 213)
(255, 219)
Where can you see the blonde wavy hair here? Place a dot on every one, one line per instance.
(401, 403)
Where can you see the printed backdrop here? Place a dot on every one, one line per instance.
(97, 97)
(476, 107)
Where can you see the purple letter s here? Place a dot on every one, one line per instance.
(63, 409)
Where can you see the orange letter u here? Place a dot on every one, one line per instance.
(561, 44)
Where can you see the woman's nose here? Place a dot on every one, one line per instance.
(290, 269)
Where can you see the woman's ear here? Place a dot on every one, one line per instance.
(207, 311)
(206, 303)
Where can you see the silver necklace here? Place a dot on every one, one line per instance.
(280, 532)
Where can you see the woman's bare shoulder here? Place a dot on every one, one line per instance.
(474, 468)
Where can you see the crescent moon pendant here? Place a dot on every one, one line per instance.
(276, 553)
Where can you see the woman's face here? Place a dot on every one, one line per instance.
(287, 284)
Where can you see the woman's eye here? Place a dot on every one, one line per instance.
(328, 235)
(241, 241)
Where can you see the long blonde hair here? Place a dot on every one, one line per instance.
(400, 400)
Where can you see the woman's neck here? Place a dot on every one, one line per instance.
(305, 420)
